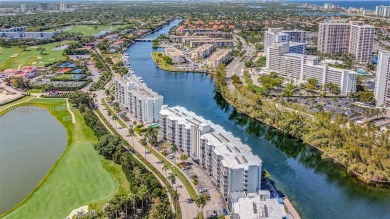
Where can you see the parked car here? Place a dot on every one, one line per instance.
(225, 212)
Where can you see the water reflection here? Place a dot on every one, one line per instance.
(293, 148)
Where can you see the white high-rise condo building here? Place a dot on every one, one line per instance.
(382, 11)
(356, 38)
(278, 35)
(63, 6)
(382, 83)
(230, 163)
(143, 103)
(299, 68)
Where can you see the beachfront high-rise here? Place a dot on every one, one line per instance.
(382, 11)
(382, 82)
(356, 38)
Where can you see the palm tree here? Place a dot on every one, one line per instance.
(109, 116)
(183, 157)
(172, 177)
(174, 149)
(176, 197)
(114, 118)
(133, 200)
(201, 201)
(142, 192)
(41, 50)
(165, 168)
(132, 134)
(151, 135)
(116, 107)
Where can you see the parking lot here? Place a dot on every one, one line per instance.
(216, 202)
(344, 106)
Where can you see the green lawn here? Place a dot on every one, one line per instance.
(15, 57)
(157, 57)
(34, 91)
(87, 30)
(79, 177)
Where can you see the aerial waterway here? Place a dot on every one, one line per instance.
(317, 188)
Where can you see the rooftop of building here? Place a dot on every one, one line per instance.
(280, 30)
(219, 54)
(296, 43)
(211, 40)
(233, 151)
(203, 47)
(141, 89)
(252, 207)
(173, 51)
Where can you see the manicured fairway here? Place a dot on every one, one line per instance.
(15, 57)
(87, 30)
(79, 177)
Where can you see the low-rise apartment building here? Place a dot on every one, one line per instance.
(230, 163)
(215, 34)
(176, 55)
(14, 29)
(219, 57)
(27, 35)
(202, 51)
(185, 39)
(215, 41)
(382, 82)
(195, 41)
(299, 68)
(143, 103)
(193, 30)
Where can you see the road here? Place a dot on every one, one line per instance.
(236, 67)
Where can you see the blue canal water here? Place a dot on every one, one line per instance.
(317, 189)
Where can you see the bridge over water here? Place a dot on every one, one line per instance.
(144, 40)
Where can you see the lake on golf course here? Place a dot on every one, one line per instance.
(31, 140)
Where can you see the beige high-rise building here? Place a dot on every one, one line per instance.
(382, 82)
(361, 43)
(354, 37)
(333, 37)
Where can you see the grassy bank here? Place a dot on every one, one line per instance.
(141, 159)
(15, 57)
(79, 177)
(160, 62)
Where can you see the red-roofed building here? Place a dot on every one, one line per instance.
(64, 70)
(26, 72)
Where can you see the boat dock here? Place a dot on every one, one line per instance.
(290, 208)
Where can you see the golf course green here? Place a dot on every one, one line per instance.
(15, 57)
